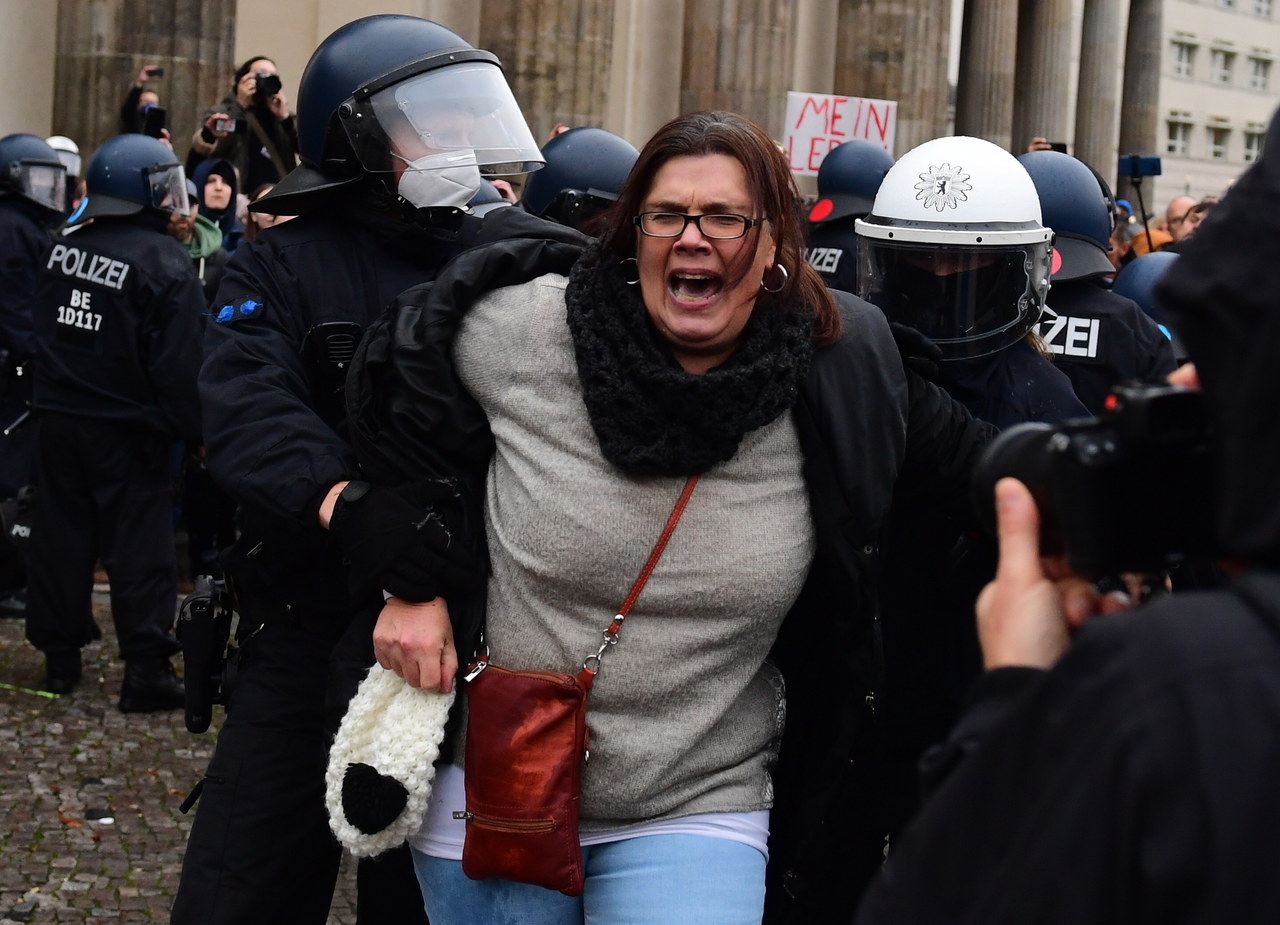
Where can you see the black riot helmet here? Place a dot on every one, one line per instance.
(848, 179)
(130, 173)
(586, 168)
(390, 94)
(1076, 204)
(30, 168)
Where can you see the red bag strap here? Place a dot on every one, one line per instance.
(591, 666)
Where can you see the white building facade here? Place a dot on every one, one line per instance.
(1220, 84)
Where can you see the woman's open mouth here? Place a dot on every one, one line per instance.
(694, 287)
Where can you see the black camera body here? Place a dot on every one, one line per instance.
(265, 86)
(204, 629)
(1128, 491)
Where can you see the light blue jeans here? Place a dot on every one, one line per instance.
(648, 880)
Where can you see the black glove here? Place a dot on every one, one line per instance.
(408, 540)
(917, 351)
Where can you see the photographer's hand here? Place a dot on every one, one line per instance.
(279, 106)
(211, 123)
(416, 642)
(1027, 614)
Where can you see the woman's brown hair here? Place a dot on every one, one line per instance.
(772, 189)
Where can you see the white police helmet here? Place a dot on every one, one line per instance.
(955, 246)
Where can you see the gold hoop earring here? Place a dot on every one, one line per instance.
(782, 283)
(623, 263)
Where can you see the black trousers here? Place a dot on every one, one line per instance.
(260, 848)
(104, 492)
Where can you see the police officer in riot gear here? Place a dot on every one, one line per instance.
(397, 117)
(117, 330)
(954, 250)
(31, 182)
(585, 170)
(1098, 338)
(848, 179)
(1137, 281)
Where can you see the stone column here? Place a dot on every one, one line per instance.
(1139, 112)
(813, 45)
(102, 44)
(27, 56)
(897, 50)
(984, 95)
(1098, 93)
(644, 83)
(1042, 81)
(555, 54)
(737, 56)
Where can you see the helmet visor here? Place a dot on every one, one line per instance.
(43, 182)
(969, 300)
(167, 188)
(462, 107)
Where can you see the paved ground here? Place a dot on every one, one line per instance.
(90, 830)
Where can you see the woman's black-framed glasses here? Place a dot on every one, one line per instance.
(720, 226)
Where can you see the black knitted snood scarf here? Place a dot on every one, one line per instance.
(651, 417)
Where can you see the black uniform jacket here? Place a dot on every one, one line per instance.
(23, 238)
(1100, 339)
(864, 424)
(833, 251)
(281, 331)
(1134, 783)
(117, 324)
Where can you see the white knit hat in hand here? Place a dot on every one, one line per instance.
(382, 762)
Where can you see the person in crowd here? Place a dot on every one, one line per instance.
(1175, 216)
(32, 183)
(379, 211)
(585, 169)
(207, 511)
(116, 323)
(252, 127)
(218, 187)
(139, 98)
(1120, 245)
(1119, 767)
(1149, 240)
(848, 178)
(69, 154)
(1099, 339)
(1195, 215)
(203, 241)
(1138, 282)
(255, 222)
(691, 338)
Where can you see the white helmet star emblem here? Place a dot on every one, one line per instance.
(943, 186)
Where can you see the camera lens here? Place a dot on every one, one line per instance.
(1021, 452)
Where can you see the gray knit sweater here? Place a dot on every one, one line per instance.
(685, 714)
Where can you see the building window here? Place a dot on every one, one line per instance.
(1259, 73)
(1184, 54)
(1226, 4)
(1220, 64)
(1179, 138)
(1218, 140)
(1252, 146)
(1262, 8)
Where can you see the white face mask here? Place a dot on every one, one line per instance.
(440, 180)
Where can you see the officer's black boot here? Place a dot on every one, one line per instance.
(150, 685)
(61, 672)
